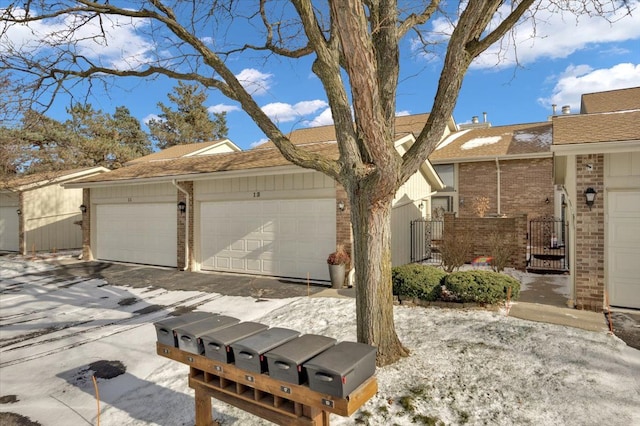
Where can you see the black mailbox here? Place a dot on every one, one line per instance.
(285, 361)
(216, 343)
(165, 329)
(249, 352)
(339, 370)
(189, 335)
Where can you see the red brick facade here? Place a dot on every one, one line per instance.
(182, 223)
(590, 244)
(525, 186)
(480, 230)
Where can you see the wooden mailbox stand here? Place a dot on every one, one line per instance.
(277, 401)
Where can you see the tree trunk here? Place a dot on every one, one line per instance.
(371, 221)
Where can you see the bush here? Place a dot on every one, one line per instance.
(421, 281)
(481, 286)
(502, 247)
(455, 251)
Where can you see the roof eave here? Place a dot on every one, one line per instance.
(596, 147)
(532, 155)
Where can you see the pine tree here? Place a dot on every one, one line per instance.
(190, 122)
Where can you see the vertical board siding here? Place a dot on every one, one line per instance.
(401, 218)
(142, 193)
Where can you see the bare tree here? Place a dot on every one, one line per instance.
(357, 38)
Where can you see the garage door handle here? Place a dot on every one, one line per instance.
(186, 338)
(164, 331)
(214, 346)
(282, 365)
(245, 355)
(324, 377)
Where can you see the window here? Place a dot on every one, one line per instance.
(445, 171)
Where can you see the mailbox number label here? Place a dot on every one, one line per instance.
(166, 351)
(285, 389)
(217, 368)
(249, 378)
(256, 194)
(327, 402)
(190, 359)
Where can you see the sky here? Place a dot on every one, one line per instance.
(567, 57)
(472, 367)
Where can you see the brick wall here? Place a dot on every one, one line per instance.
(525, 185)
(87, 253)
(343, 219)
(182, 223)
(481, 229)
(590, 248)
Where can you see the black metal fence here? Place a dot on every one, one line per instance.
(426, 237)
(548, 241)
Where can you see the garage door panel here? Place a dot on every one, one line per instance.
(9, 233)
(280, 237)
(137, 233)
(623, 248)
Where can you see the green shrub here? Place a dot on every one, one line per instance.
(481, 286)
(421, 281)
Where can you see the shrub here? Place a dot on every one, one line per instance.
(502, 248)
(421, 281)
(481, 286)
(455, 251)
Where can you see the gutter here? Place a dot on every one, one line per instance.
(186, 227)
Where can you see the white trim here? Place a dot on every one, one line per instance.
(264, 171)
(596, 147)
(77, 175)
(227, 142)
(492, 158)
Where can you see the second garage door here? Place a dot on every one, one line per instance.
(624, 248)
(9, 221)
(286, 238)
(137, 233)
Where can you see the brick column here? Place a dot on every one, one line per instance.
(87, 253)
(590, 245)
(181, 225)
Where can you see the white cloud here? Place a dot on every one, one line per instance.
(403, 113)
(214, 109)
(577, 80)
(324, 119)
(283, 112)
(254, 81)
(121, 46)
(150, 117)
(552, 33)
(259, 142)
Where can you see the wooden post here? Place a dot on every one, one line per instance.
(203, 408)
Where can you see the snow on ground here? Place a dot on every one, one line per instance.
(466, 366)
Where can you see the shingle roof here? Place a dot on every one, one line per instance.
(44, 178)
(404, 124)
(188, 166)
(611, 101)
(176, 151)
(605, 127)
(500, 141)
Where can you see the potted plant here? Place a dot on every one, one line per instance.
(337, 262)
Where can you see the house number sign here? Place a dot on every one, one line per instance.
(256, 194)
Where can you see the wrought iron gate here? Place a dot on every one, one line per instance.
(426, 236)
(548, 240)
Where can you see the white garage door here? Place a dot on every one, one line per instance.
(9, 228)
(137, 233)
(286, 238)
(624, 248)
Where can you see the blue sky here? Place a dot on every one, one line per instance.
(567, 57)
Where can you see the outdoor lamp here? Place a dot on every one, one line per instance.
(83, 208)
(19, 212)
(182, 207)
(341, 205)
(590, 196)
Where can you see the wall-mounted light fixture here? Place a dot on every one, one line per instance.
(83, 208)
(590, 196)
(19, 212)
(547, 201)
(341, 205)
(421, 205)
(182, 207)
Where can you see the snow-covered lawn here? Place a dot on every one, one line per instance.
(466, 367)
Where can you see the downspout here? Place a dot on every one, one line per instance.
(498, 185)
(186, 227)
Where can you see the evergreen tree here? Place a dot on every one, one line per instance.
(190, 122)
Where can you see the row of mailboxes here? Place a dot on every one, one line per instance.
(328, 366)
